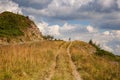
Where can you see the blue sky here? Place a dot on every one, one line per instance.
(79, 19)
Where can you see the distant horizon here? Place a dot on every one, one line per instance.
(78, 19)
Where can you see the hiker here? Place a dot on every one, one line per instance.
(69, 39)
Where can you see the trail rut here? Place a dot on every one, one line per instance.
(52, 71)
(74, 69)
(66, 59)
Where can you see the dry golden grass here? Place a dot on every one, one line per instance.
(33, 61)
(63, 70)
(91, 66)
(27, 61)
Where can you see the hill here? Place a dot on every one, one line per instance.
(94, 63)
(17, 28)
(57, 60)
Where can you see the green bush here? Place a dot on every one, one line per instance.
(102, 52)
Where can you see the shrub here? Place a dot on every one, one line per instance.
(48, 37)
(102, 52)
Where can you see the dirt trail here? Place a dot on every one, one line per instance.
(64, 58)
(52, 71)
(74, 69)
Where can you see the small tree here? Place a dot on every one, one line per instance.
(97, 46)
(102, 52)
(91, 42)
(48, 37)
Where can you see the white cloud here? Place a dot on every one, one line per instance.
(78, 32)
(106, 33)
(48, 30)
(90, 29)
(118, 2)
(116, 34)
(67, 26)
(54, 30)
(117, 48)
(60, 8)
(67, 30)
(101, 13)
(43, 27)
(8, 5)
(107, 48)
(32, 17)
(93, 10)
(69, 3)
(106, 3)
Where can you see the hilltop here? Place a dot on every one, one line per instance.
(17, 28)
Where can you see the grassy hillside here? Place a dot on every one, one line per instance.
(12, 24)
(49, 60)
(98, 65)
(15, 28)
(28, 61)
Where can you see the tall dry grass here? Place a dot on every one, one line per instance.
(32, 61)
(91, 66)
(63, 70)
(27, 61)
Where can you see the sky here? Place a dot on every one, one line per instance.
(83, 20)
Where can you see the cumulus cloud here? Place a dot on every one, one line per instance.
(116, 34)
(107, 3)
(118, 2)
(7, 5)
(101, 13)
(109, 40)
(91, 29)
(66, 30)
(106, 33)
(117, 49)
(49, 30)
